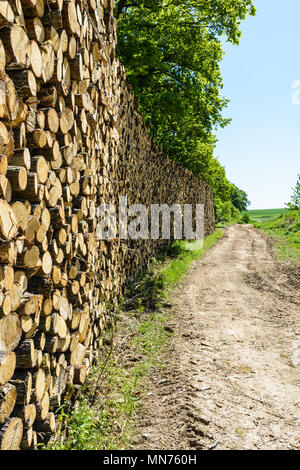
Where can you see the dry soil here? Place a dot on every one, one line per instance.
(232, 379)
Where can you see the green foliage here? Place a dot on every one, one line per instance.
(244, 218)
(149, 289)
(239, 198)
(295, 198)
(187, 253)
(200, 160)
(172, 52)
(83, 428)
(227, 213)
(285, 229)
(108, 423)
(145, 291)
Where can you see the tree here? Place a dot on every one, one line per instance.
(239, 198)
(227, 213)
(172, 52)
(295, 198)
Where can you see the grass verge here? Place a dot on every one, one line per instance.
(285, 230)
(104, 416)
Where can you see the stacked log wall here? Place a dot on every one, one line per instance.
(71, 138)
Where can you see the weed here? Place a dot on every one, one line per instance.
(115, 389)
(285, 230)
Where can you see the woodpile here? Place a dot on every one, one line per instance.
(71, 138)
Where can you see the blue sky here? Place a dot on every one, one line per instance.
(260, 149)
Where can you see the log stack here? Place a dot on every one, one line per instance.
(71, 139)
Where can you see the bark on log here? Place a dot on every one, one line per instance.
(11, 434)
(71, 139)
(8, 395)
(7, 366)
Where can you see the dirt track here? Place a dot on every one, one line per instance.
(233, 375)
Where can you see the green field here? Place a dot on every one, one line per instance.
(265, 215)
